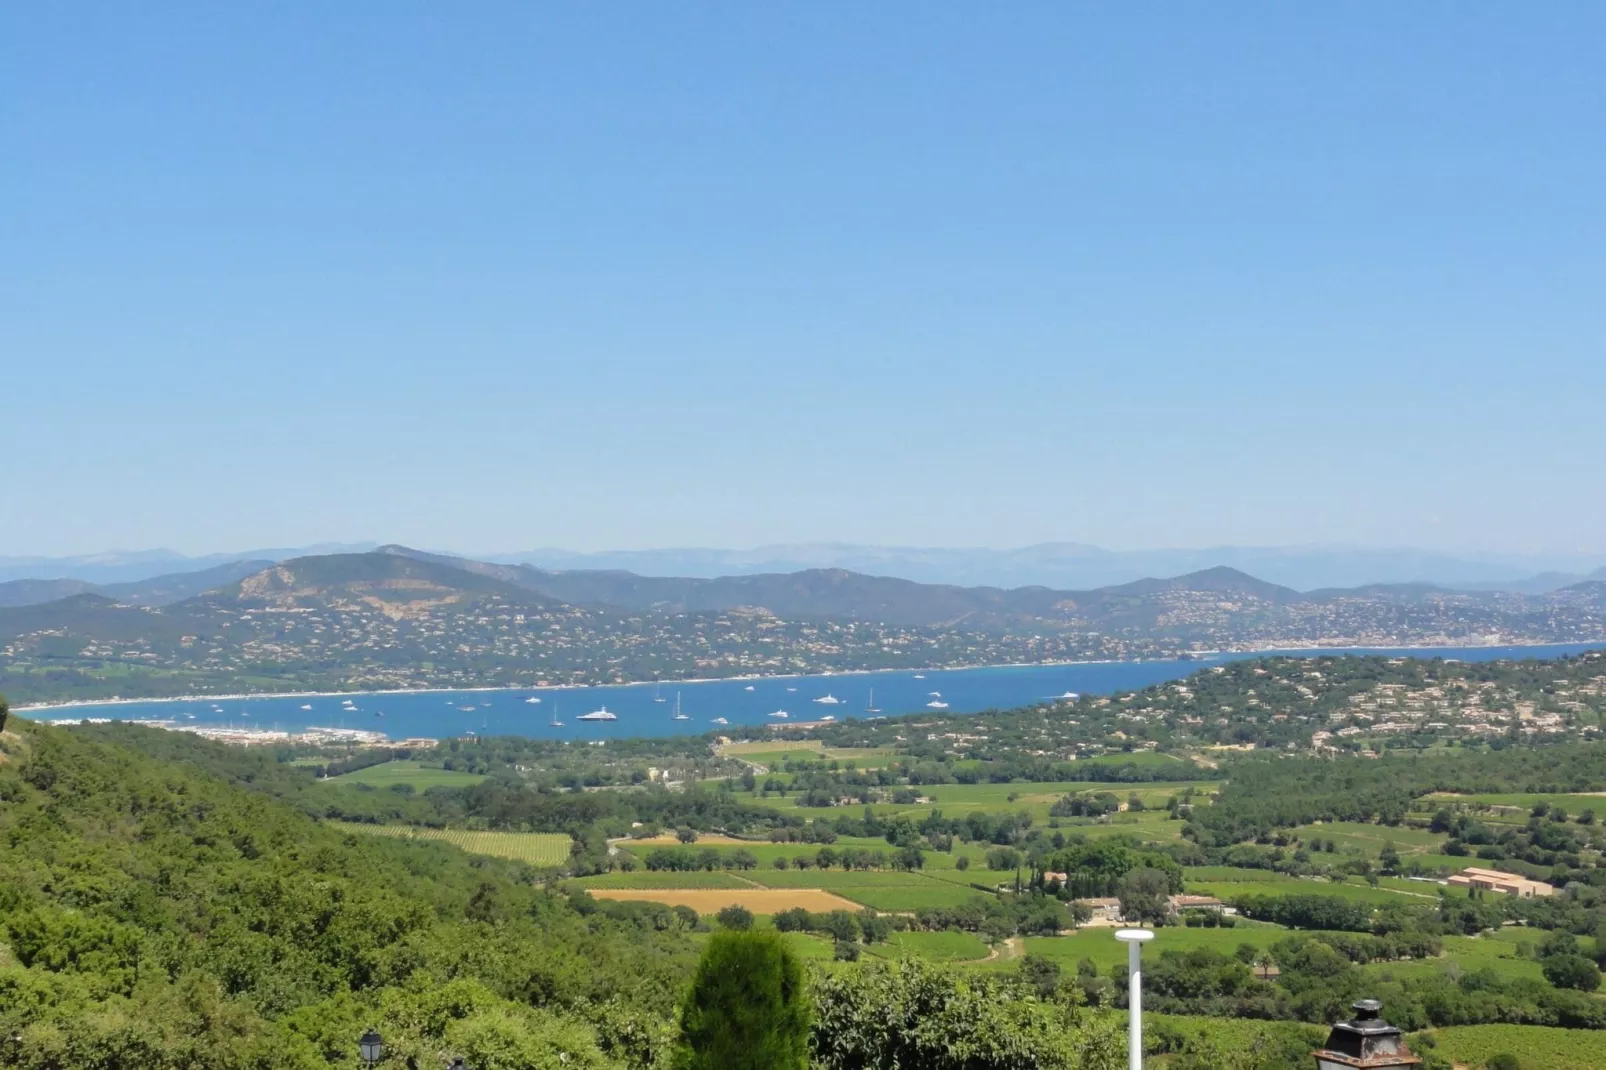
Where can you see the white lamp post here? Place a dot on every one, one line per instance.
(1133, 939)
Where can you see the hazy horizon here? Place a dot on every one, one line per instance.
(1066, 566)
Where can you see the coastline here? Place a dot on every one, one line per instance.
(1200, 656)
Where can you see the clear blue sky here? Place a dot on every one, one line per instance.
(503, 275)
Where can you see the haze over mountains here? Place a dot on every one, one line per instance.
(1068, 566)
(399, 617)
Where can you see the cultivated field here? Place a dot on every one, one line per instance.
(771, 752)
(421, 777)
(1515, 808)
(934, 947)
(1466, 954)
(766, 852)
(541, 849)
(1100, 946)
(711, 900)
(889, 891)
(1537, 1047)
(1228, 883)
(715, 879)
(959, 799)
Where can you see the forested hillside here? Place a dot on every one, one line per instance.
(186, 912)
(156, 916)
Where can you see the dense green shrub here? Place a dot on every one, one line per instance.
(747, 1008)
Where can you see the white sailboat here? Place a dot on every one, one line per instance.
(871, 707)
(678, 715)
(656, 697)
(555, 722)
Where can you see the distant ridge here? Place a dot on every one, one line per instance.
(157, 591)
(385, 579)
(841, 594)
(1059, 566)
(397, 617)
(1077, 566)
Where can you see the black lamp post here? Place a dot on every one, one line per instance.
(371, 1046)
(1365, 1041)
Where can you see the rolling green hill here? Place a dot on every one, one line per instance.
(156, 916)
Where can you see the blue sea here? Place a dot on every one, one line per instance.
(646, 710)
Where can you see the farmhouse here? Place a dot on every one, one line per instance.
(1103, 909)
(1197, 902)
(1494, 880)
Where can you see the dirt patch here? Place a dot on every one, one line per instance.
(713, 900)
(669, 839)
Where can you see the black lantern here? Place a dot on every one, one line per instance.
(371, 1047)
(1365, 1041)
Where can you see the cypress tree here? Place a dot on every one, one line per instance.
(747, 1008)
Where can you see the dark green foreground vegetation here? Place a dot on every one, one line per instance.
(156, 915)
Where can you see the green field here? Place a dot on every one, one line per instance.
(644, 879)
(1101, 946)
(766, 853)
(1227, 883)
(421, 777)
(959, 799)
(1153, 826)
(1369, 839)
(811, 947)
(1537, 1047)
(1570, 803)
(1464, 954)
(1231, 1034)
(771, 753)
(936, 947)
(884, 890)
(541, 849)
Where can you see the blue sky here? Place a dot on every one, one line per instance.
(496, 276)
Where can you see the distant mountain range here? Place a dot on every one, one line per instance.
(1064, 566)
(132, 566)
(157, 591)
(399, 617)
(1078, 566)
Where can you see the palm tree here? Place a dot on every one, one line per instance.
(1264, 962)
